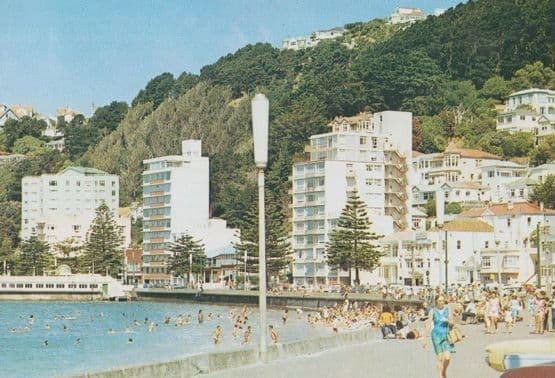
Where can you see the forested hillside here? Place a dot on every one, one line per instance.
(449, 71)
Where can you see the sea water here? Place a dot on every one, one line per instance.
(25, 326)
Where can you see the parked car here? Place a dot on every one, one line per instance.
(517, 353)
(539, 371)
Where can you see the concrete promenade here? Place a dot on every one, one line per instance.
(389, 358)
(283, 299)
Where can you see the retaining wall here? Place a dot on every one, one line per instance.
(211, 362)
(313, 300)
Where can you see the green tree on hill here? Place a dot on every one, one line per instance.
(544, 192)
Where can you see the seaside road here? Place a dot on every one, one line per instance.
(388, 358)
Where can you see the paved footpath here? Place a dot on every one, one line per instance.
(389, 358)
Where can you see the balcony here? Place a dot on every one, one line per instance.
(158, 217)
(156, 194)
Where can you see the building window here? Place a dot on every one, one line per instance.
(486, 262)
(459, 244)
(486, 244)
(78, 183)
(508, 222)
(362, 140)
(374, 142)
(76, 227)
(53, 183)
(529, 221)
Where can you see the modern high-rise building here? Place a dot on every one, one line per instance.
(61, 206)
(175, 202)
(367, 153)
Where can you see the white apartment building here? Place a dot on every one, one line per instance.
(546, 126)
(367, 153)
(523, 110)
(407, 15)
(510, 256)
(466, 193)
(419, 257)
(61, 206)
(455, 164)
(303, 42)
(497, 175)
(540, 173)
(176, 202)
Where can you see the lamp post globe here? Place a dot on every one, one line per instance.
(260, 119)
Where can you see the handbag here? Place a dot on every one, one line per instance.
(454, 335)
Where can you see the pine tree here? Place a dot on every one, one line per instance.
(35, 257)
(103, 248)
(351, 243)
(188, 255)
(278, 248)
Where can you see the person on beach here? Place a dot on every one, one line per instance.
(273, 334)
(493, 310)
(439, 324)
(387, 322)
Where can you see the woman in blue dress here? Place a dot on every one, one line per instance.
(440, 322)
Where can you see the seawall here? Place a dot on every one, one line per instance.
(49, 296)
(288, 299)
(211, 362)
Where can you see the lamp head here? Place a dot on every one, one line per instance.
(260, 119)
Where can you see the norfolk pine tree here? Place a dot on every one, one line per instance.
(103, 249)
(35, 257)
(351, 243)
(278, 249)
(181, 249)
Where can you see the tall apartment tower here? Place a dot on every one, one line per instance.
(367, 153)
(175, 202)
(61, 206)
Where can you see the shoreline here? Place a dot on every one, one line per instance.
(207, 363)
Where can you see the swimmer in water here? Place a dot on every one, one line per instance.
(247, 335)
(129, 341)
(45, 343)
(217, 335)
(111, 331)
(273, 334)
(78, 341)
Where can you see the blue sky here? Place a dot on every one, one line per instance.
(75, 53)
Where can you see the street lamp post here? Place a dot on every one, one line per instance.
(260, 119)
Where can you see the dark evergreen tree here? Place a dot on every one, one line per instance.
(34, 258)
(278, 249)
(103, 248)
(544, 192)
(351, 244)
(188, 256)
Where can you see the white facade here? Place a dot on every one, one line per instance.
(510, 257)
(364, 153)
(540, 173)
(523, 110)
(303, 42)
(406, 15)
(497, 176)
(176, 202)
(455, 164)
(62, 206)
